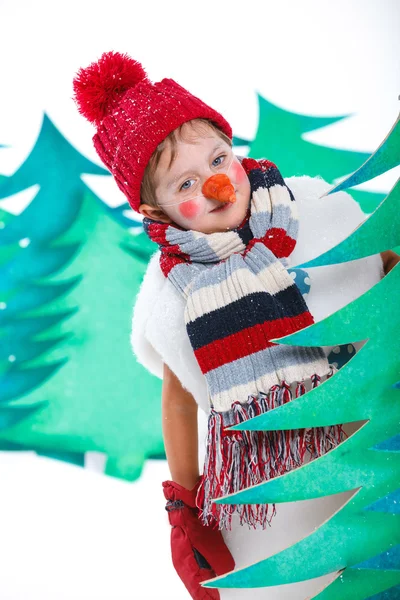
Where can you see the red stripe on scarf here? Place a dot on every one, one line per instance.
(277, 240)
(171, 254)
(168, 262)
(248, 341)
(249, 164)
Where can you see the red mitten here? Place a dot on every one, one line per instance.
(198, 551)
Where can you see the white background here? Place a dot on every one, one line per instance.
(69, 533)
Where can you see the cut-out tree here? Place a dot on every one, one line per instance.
(280, 136)
(361, 541)
(69, 273)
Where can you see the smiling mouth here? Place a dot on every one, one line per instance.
(221, 208)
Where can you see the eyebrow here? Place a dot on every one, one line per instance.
(174, 181)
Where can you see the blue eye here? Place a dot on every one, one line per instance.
(218, 158)
(184, 186)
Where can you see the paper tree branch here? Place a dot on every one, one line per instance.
(329, 549)
(377, 233)
(366, 317)
(10, 415)
(356, 583)
(384, 158)
(383, 221)
(355, 464)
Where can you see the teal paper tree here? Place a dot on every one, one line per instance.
(69, 274)
(362, 540)
(384, 159)
(10, 415)
(2, 177)
(280, 137)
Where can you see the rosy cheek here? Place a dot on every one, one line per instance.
(238, 172)
(189, 210)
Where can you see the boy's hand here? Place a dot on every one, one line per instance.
(198, 552)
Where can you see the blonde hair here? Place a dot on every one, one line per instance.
(149, 184)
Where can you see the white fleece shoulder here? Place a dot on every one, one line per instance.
(159, 333)
(150, 290)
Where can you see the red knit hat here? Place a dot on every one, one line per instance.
(133, 115)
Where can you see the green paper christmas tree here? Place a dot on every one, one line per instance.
(362, 539)
(10, 415)
(27, 271)
(69, 275)
(280, 138)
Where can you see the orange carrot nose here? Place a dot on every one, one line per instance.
(219, 187)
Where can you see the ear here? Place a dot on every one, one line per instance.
(156, 214)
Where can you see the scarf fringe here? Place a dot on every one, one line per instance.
(237, 460)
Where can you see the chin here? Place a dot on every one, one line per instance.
(231, 219)
(234, 220)
(228, 225)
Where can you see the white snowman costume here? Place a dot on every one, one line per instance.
(159, 336)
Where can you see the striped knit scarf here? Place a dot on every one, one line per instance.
(239, 295)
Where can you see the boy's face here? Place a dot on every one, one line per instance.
(204, 155)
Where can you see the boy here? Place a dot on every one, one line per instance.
(216, 295)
